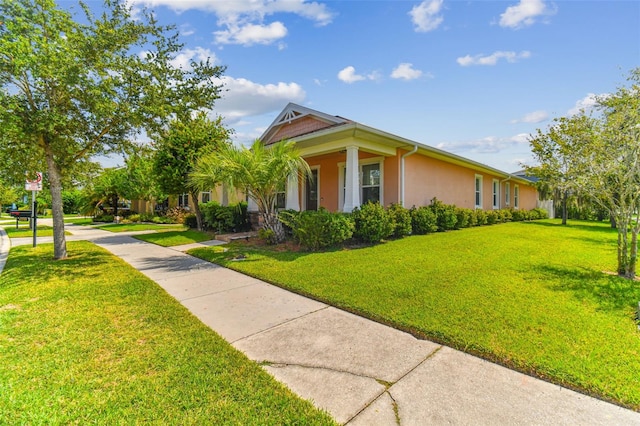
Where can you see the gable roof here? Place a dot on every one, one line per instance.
(296, 120)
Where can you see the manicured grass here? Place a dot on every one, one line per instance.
(78, 220)
(129, 227)
(89, 340)
(24, 231)
(531, 296)
(176, 238)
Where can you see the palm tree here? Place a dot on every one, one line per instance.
(261, 172)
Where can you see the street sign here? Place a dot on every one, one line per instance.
(34, 185)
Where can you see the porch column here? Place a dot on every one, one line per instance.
(351, 180)
(293, 199)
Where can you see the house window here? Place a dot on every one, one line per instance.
(496, 194)
(516, 196)
(507, 194)
(183, 201)
(478, 192)
(281, 200)
(370, 183)
(205, 197)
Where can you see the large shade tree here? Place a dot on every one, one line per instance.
(179, 148)
(74, 87)
(261, 172)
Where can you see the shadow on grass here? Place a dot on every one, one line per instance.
(27, 265)
(601, 227)
(609, 292)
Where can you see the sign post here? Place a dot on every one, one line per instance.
(34, 186)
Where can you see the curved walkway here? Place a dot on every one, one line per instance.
(361, 372)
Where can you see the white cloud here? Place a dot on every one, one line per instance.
(524, 13)
(486, 145)
(243, 98)
(405, 71)
(251, 34)
(492, 59)
(587, 103)
(185, 57)
(243, 21)
(348, 75)
(426, 16)
(533, 117)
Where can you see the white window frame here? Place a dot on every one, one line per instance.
(516, 196)
(202, 194)
(477, 191)
(495, 190)
(363, 162)
(507, 194)
(181, 201)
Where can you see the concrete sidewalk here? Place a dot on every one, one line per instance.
(361, 372)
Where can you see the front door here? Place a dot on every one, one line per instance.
(311, 191)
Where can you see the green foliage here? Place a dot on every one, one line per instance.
(319, 229)
(71, 201)
(463, 218)
(480, 217)
(400, 220)
(267, 235)
(372, 223)
(423, 220)
(258, 171)
(191, 221)
(221, 219)
(445, 215)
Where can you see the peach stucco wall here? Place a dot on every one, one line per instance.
(425, 178)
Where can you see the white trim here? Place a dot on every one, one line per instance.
(304, 188)
(292, 199)
(507, 194)
(516, 196)
(495, 194)
(477, 190)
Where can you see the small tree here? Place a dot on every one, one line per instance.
(611, 168)
(178, 150)
(557, 151)
(261, 172)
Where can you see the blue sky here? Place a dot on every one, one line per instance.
(471, 77)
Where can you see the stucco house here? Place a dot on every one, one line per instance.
(353, 163)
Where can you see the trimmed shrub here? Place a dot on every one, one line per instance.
(191, 221)
(104, 218)
(423, 220)
(176, 215)
(400, 220)
(267, 235)
(505, 215)
(463, 217)
(219, 218)
(372, 223)
(519, 215)
(480, 217)
(161, 219)
(445, 215)
(492, 217)
(320, 229)
(134, 218)
(538, 213)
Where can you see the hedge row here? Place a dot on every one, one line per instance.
(372, 223)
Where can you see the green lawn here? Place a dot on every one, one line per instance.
(24, 231)
(531, 296)
(130, 227)
(176, 238)
(89, 340)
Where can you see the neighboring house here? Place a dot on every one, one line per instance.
(186, 201)
(353, 163)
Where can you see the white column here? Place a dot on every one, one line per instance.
(293, 199)
(351, 180)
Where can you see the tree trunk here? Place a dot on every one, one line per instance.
(564, 207)
(272, 222)
(55, 186)
(633, 258)
(196, 210)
